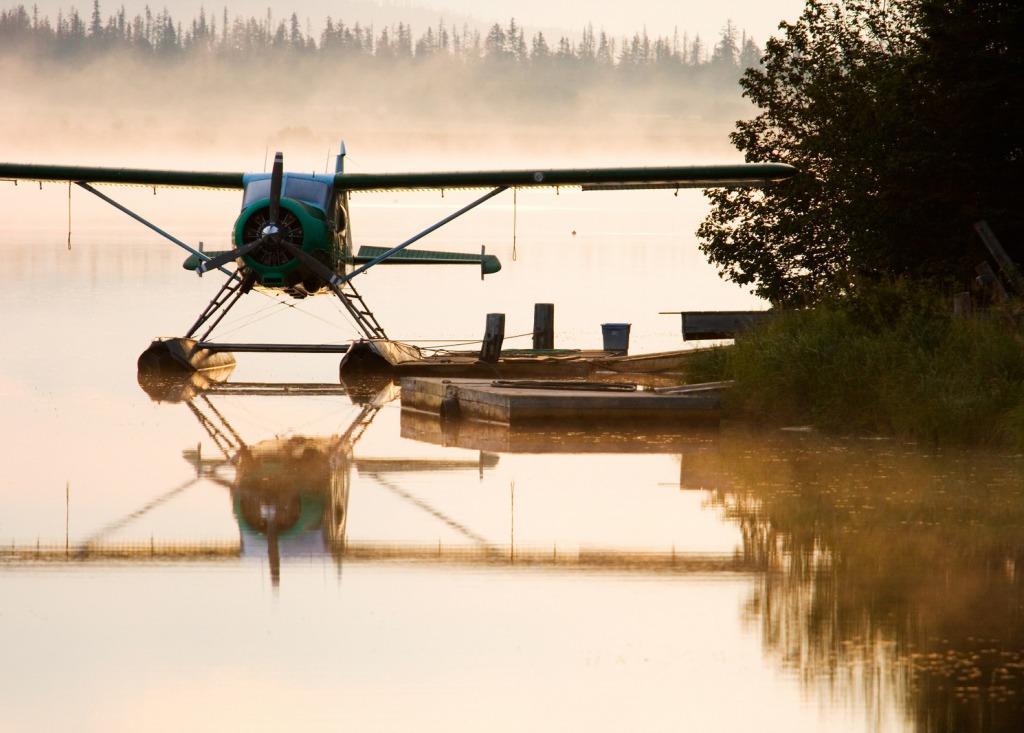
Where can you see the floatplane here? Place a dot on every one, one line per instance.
(293, 236)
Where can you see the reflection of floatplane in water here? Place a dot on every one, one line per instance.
(289, 494)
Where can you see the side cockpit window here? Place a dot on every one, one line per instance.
(256, 190)
(339, 214)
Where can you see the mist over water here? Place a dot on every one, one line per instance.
(205, 110)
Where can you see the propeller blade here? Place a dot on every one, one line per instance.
(276, 178)
(318, 267)
(226, 257)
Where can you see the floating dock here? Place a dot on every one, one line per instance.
(399, 360)
(522, 402)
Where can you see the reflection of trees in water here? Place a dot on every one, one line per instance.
(892, 576)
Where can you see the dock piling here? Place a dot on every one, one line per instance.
(544, 325)
(494, 336)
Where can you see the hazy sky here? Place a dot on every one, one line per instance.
(760, 18)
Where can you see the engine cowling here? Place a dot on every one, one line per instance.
(273, 265)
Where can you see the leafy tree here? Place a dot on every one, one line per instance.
(903, 119)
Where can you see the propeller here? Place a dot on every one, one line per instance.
(276, 176)
(225, 257)
(268, 234)
(318, 267)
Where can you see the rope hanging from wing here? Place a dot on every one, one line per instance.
(515, 220)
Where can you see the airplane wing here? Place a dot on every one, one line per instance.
(707, 176)
(123, 176)
(590, 179)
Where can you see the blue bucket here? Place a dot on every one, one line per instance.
(616, 336)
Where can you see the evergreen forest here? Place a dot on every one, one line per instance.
(160, 35)
(194, 81)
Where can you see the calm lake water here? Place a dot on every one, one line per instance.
(496, 580)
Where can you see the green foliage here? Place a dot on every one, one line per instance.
(890, 361)
(708, 365)
(903, 119)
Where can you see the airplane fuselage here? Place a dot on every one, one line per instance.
(312, 216)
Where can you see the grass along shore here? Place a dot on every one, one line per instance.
(893, 361)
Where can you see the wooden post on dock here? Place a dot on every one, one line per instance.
(543, 325)
(494, 335)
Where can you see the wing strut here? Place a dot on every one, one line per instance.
(203, 257)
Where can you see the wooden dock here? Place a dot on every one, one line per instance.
(531, 402)
(398, 360)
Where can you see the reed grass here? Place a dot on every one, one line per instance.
(890, 361)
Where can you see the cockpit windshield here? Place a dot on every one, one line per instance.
(308, 190)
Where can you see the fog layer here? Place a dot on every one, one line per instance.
(119, 106)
